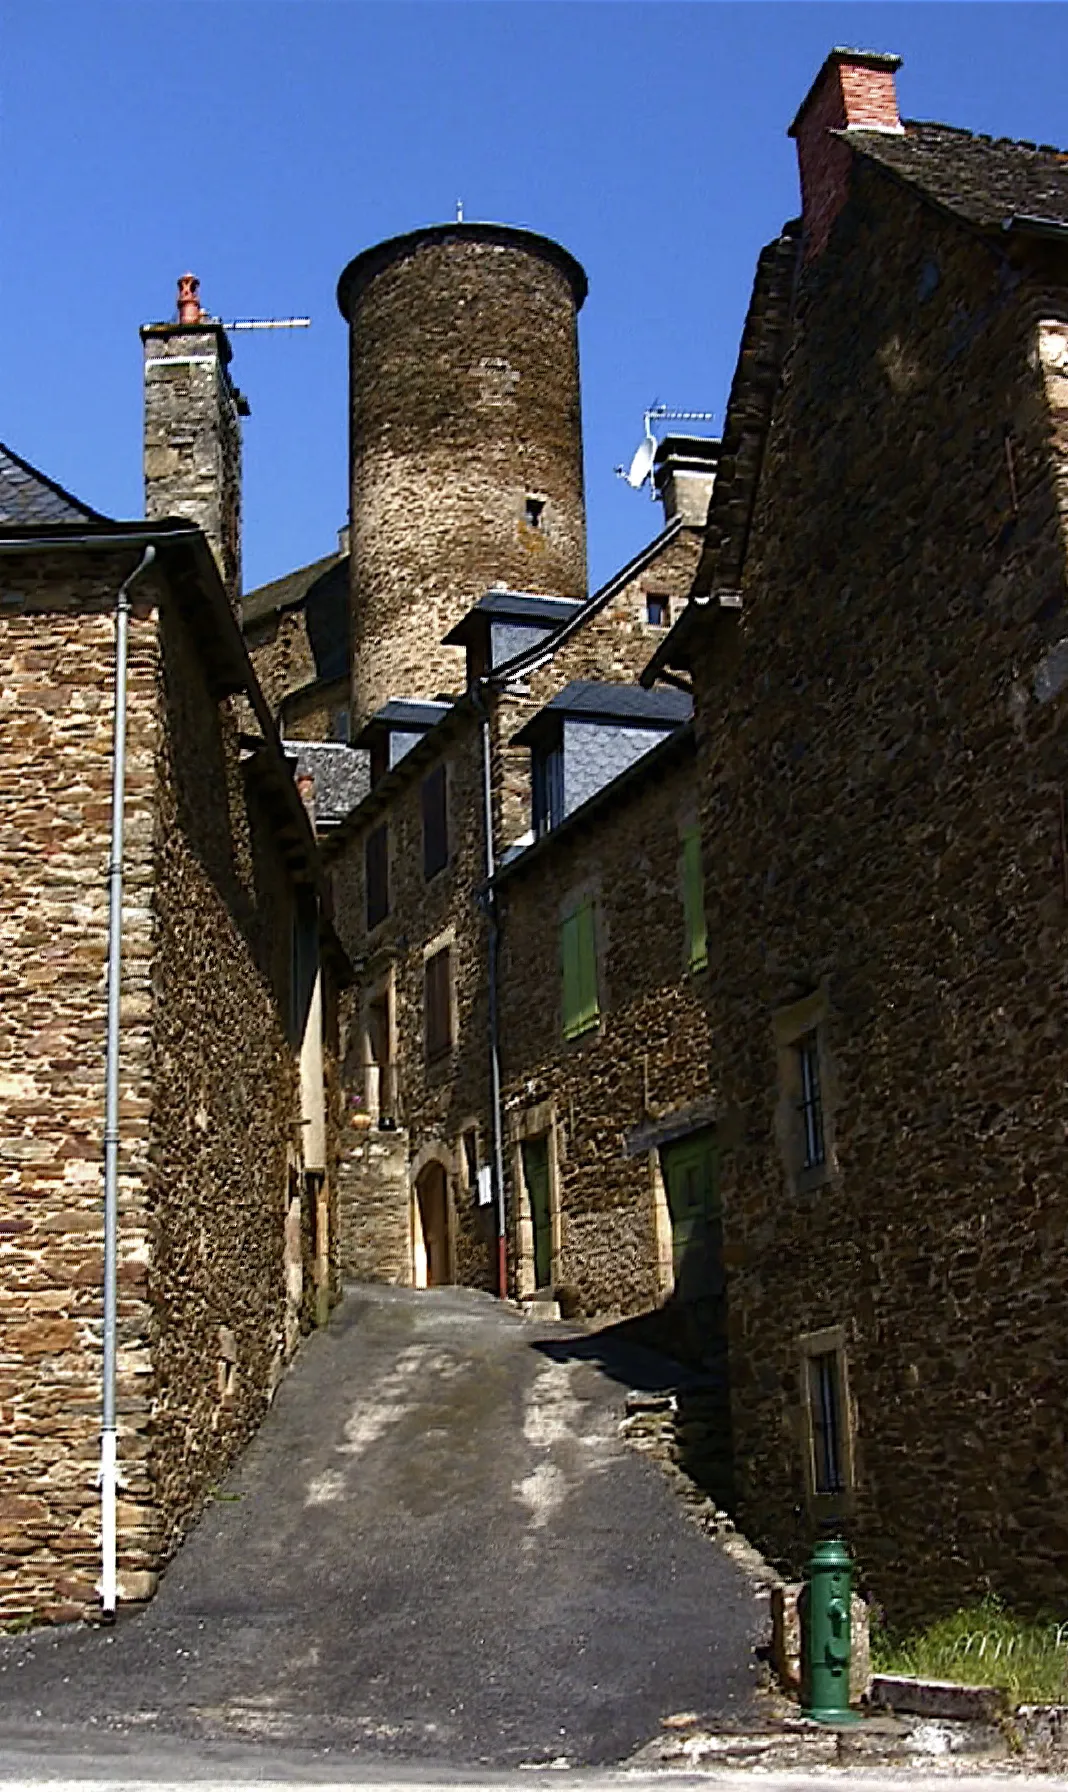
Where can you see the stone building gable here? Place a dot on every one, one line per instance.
(880, 780)
(297, 630)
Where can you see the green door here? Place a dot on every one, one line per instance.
(536, 1177)
(693, 1200)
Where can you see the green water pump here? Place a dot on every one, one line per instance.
(826, 1634)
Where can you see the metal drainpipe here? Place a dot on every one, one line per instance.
(495, 1057)
(108, 1439)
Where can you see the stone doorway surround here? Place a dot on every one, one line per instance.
(535, 1122)
(432, 1220)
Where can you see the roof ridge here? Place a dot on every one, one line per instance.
(956, 130)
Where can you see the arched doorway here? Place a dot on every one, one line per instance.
(430, 1229)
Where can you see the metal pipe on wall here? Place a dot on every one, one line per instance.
(108, 1432)
(494, 1044)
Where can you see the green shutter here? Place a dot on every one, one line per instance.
(579, 954)
(693, 885)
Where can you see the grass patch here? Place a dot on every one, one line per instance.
(983, 1645)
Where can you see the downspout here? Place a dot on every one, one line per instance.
(108, 1438)
(494, 1038)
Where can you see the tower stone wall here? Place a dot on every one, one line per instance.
(465, 444)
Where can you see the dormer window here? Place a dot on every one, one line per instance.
(548, 789)
(535, 511)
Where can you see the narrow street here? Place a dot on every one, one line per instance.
(437, 1549)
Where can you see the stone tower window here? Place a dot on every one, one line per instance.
(535, 511)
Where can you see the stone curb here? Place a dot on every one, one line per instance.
(916, 1697)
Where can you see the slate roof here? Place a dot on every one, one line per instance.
(29, 497)
(289, 592)
(621, 702)
(627, 704)
(342, 776)
(517, 606)
(985, 180)
(402, 712)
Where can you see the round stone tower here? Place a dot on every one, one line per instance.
(465, 457)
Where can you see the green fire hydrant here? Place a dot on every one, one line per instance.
(826, 1634)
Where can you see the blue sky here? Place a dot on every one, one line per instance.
(262, 143)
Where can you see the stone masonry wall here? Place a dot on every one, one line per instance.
(439, 1099)
(225, 1150)
(208, 1090)
(56, 705)
(281, 652)
(646, 1060)
(883, 798)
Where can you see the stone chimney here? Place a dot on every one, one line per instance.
(193, 417)
(854, 91)
(684, 473)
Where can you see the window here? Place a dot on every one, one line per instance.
(535, 511)
(825, 1413)
(693, 894)
(435, 823)
(470, 1144)
(657, 610)
(438, 1003)
(339, 724)
(548, 785)
(376, 866)
(581, 1009)
(811, 1103)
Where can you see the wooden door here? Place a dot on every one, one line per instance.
(693, 1201)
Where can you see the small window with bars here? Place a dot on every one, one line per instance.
(437, 1003)
(825, 1407)
(376, 866)
(810, 1106)
(434, 797)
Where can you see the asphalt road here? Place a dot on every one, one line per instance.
(437, 1549)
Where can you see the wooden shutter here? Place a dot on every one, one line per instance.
(693, 886)
(579, 954)
(435, 822)
(438, 1004)
(376, 864)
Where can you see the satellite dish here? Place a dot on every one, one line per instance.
(642, 464)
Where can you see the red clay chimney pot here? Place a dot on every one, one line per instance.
(189, 309)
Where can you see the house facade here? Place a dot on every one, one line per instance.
(876, 646)
(227, 1205)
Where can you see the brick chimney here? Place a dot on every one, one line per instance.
(193, 415)
(854, 91)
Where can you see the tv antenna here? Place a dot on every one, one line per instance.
(267, 323)
(641, 466)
